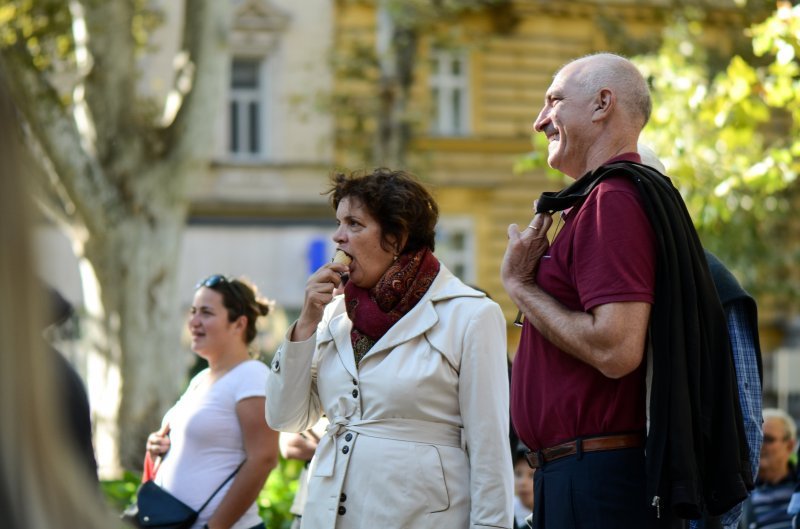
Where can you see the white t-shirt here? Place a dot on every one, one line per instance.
(206, 442)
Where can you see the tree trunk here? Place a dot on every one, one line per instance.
(125, 173)
(134, 261)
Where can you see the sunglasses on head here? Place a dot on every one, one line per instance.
(216, 280)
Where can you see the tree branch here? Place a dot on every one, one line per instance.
(57, 134)
(48, 191)
(111, 76)
(207, 25)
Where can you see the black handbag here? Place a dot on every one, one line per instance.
(158, 509)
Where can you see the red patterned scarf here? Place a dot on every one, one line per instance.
(373, 311)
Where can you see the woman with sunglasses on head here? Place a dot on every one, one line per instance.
(218, 423)
(409, 367)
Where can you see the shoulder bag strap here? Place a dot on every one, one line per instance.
(220, 487)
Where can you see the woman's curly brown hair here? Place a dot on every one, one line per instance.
(397, 200)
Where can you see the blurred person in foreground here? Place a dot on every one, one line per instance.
(73, 396)
(768, 505)
(43, 482)
(409, 367)
(623, 291)
(218, 423)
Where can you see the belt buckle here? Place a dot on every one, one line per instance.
(535, 458)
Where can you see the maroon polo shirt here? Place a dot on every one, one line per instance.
(603, 253)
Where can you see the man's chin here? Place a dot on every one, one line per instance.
(554, 161)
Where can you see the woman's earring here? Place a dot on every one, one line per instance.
(395, 257)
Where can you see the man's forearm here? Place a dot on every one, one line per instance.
(610, 338)
(555, 322)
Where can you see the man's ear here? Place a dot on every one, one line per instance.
(604, 103)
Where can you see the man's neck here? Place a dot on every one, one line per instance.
(774, 476)
(603, 153)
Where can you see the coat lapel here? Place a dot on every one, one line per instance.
(339, 327)
(423, 316)
(416, 322)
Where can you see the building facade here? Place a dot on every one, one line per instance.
(302, 101)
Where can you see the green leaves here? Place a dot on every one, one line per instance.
(728, 141)
(44, 26)
(277, 496)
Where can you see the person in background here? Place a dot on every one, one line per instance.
(794, 501)
(43, 483)
(523, 488)
(218, 423)
(301, 446)
(794, 505)
(409, 366)
(767, 507)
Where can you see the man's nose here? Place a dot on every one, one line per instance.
(540, 121)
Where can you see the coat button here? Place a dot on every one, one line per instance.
(345, 449)
(342, 510)
(276, 366)
(355, 393)
(355, 382)
(348, 437)
(343, 497)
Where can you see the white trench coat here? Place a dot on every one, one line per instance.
(418, 434)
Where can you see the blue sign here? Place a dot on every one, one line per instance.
(317, 254)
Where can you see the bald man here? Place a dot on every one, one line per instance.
(578, 373)
(594, 302)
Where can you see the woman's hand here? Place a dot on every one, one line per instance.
(300, 446)
(320, 289)
(158, 443)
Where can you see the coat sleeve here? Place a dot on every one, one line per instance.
(484, 401)
(293, 404)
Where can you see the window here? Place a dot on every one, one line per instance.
(449, 93)
(247, 131)
(455, 246)
(246, 114)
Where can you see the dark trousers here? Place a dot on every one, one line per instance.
(592, 490)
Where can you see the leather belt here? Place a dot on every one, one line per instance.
(537, 458)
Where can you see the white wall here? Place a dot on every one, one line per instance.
(275, 258)
(304, 77)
